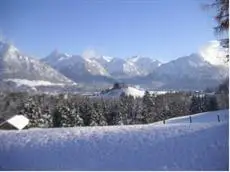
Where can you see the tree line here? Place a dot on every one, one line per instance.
(67, 110)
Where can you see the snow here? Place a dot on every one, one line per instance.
(200, 118)
(134, 92)
(65, 57)
(131, 69)
(161, 92)
(107, 58)
(18, 65)
(95, 67)
(177, 146)
(33, 83)
(134, 58)
(116, 93)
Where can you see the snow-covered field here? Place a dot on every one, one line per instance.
(176, 145)
(200, 118)
(33, 83)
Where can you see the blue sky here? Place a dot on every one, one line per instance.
(161, 29)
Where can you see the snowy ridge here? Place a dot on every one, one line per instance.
(130, 67)
(16, 65)
(205, 69)
(73, 66)
(200, 70)
(197, 73)
(178, 146)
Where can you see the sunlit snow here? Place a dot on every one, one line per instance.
(177, 146)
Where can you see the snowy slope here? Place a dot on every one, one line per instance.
(16, 65)
(116, 93)
(190, 72)
(205, 117)
(145, 65)
(78, 68)
(202, 117)
(130, 67)
(178, 146)
(77, 63)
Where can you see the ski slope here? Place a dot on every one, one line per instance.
(172, 146)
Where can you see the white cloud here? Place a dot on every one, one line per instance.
(213, 53)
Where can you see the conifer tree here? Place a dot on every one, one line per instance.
(57, 118)
(147, 108)
(195, 106)
(213, 105)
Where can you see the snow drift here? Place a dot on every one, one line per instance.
(177, 146)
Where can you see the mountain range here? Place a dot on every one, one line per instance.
(61, 69)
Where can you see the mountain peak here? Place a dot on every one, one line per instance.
(134, 58)
(7, 47)
(57, 56)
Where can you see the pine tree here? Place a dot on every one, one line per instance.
(195, 106)
(86, 109)
(124, 109)
(205, 104)
(147, 108)
(213, 105)
(94, 118)
(78, 121)
(101, 120)
(57, 118)
(115, 117)
(136, 115)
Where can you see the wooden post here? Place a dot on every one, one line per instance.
(218, 117)
(190, 119)
(163, 121)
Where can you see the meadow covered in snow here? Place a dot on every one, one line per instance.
(176, 145)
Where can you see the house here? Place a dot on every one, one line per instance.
(119, 85)
(4, 125)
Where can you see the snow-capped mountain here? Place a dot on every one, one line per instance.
(191, 71)
(77, 68)
(121, 68)
(196, 71)
(129, 67)
(145, 65)
(20, 68)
